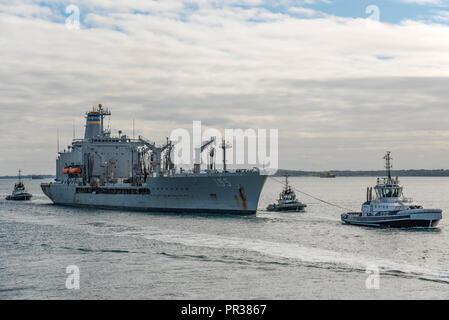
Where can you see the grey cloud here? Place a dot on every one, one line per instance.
(319, 82)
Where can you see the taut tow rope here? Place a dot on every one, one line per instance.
(313, 197)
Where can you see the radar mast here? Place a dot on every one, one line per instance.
(388, 166)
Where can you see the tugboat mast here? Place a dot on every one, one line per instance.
(388, 165)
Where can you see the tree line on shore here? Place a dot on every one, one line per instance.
(368, 173)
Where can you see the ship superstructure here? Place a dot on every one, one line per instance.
(109, 171)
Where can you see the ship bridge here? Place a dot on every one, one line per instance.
(389, 187)
(388, 190)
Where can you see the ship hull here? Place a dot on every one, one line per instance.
(419, 218)
(212, 194)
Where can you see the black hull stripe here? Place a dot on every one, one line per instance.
(288, 210)
(165, 210)
(397, 224)
(18, 198)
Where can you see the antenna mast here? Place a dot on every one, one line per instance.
(224, 146)
(388, 165)
(103, 113)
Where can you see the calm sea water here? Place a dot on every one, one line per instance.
(310, 255)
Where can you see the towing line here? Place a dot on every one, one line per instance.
(313, 197)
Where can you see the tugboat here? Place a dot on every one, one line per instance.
(287, 200)
(327, 175)
(19, 193)
(390, 208)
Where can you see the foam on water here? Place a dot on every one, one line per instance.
(288, 251)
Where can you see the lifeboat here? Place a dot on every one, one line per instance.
(71, 170)
(75, 170)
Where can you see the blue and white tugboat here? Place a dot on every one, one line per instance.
(390, 209)
(19, 193)
(287, 201)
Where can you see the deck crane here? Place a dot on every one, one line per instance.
(198, 151)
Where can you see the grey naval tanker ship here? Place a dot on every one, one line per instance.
(119, 172)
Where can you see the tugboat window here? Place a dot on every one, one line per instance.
(378, 193)
(396, 192)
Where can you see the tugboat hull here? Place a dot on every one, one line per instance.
(23, 197)
(425, 218)
(291, 208)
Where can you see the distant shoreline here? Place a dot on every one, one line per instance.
(368, 173)
(338, 173)
(30, 176)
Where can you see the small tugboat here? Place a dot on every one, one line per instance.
(390, 209)
(19, 193)
(327, 175)
(287, 200)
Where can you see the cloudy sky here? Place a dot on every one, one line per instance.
(343, 81)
